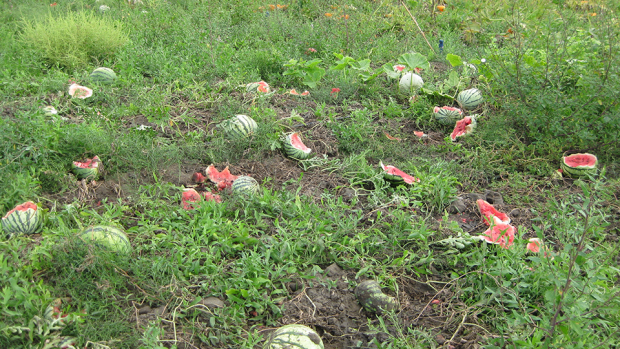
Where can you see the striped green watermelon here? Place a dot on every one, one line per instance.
(293, 337)
(23, 219)
(111, 238)
(579, 165)
(103, 75)
(396, 176)
(371, 297)
(470, 99)
(241, 126)
(245, 185)
(294, 147)
(447, 115)
(88, 169)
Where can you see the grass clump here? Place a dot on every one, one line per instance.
(74, 38)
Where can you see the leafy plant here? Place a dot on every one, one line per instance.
(362, 67)
(309, 72)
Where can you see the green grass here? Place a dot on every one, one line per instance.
(550, 85)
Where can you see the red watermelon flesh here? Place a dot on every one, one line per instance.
(463, 127)
(211, 197)
(223, 179)
(23, 207)
(419, 134)
(189, 195)
(198, 177)
(297, 143)
(489, 213)
(580, 160)
(437, 109)
(391, 170)
(500, 234)
(89, 163)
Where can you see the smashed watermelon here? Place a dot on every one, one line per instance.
(490, 214)
(463, 127)
(189, 196)
(222, 179)
(500, 234)
(198, 177)
(396, 176)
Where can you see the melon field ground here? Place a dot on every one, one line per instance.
(227, 274)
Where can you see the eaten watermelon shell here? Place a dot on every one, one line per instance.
(370, 296)
(222, 179)
(198, 177)
(490, 214)
(88, 169)
(111, 238)
(190, 195)
(77, 91)
(500, 234)
(463, 127)
(294, 148)
(447, 115)
(294, 336)
(396, 176)
(23, 219)
(261, 87)
(579, 165)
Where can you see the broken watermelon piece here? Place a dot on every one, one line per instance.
(198, 177)
(396, 176)
(463, 127)
(500, 234)
(209, 196)
(223, 179)
(189, 196)
(420, 134)
(490, 214)
(89, 169)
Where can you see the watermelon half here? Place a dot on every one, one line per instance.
(490, 214)
(294, 147)
(447, 115)
(579, 165)
(222, 179)
(23, 219)
(77, 91)
(261, 87)
(463, 127)
(396, 176)
(500, 234)
(88, 169)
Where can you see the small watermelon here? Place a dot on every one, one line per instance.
(579, 165)
(463, 127)
(293, 337)
(88, 169)
(371, 297)
(245, 185)
(500, 234)
(241, 126)
(111, 238)
(447, 115)
(23, 219)
(103, 75)
(470, 99)
(223, 179)
(410, 82)
(396, 176)
(294, 147)
(490, 214)
(257, 87)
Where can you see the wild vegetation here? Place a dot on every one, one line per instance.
(226, 270)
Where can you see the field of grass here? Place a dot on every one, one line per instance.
(227, 274)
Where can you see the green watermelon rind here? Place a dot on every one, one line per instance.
(103, 75)
(241, 126)
(245, 185)
(579, 171)
(448, 117)
(23, 222)
(291, 151)
(470, 99)
(110, 238)
(370, 296)
(294, 336)
(85, 173)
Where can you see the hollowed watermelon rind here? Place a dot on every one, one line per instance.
(23, 219)
(294, 148)
(396, 176)
(447, 115)
(579, 165)
(88, 169)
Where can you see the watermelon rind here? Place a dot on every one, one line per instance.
(370, 296)
(580, 170)
(241, 126)
(467, 128)
(470, 99)
(447, 115)
(103, 75)
(395, 180)
(294, 336)
(245, 185)
(110, 238)
(23, 221)
(91, 173)
(291, 151)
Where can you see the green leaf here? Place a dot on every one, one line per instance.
(389, 70)
(453, 80)
(454, 60)
(414, 60)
